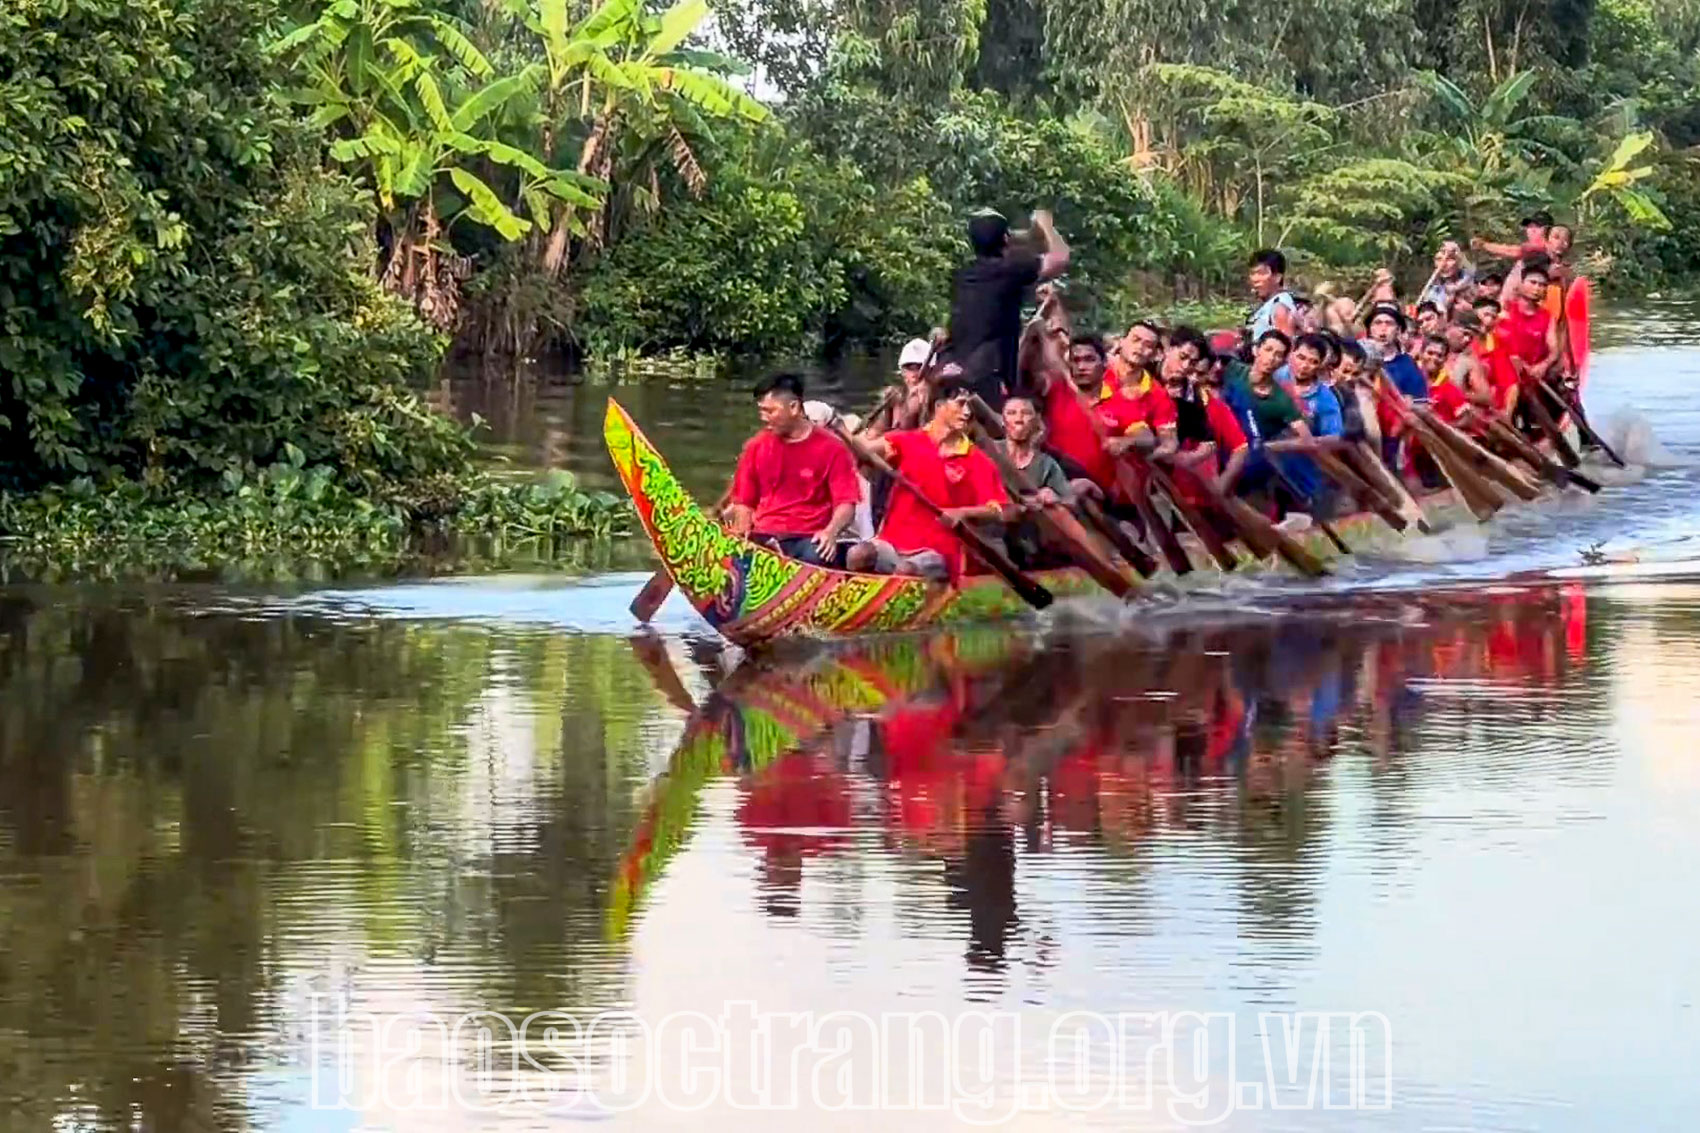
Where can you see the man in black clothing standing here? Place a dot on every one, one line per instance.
(985, 311)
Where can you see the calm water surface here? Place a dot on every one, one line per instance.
(258, 854)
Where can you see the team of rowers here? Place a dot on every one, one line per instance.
(1085, 421)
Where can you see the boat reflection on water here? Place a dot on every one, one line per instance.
(975, 748)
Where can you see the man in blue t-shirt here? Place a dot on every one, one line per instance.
(1386, 326)
(1322, 413)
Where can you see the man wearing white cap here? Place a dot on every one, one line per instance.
(911, 405)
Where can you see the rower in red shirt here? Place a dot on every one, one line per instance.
(945, 466)
(795, 488)
(1530, 335)
(1445, 396)
(1132, 403)
(1066, 398)
(1490, 351)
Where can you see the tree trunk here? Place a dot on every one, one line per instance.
(1260, 203)
(560, 238)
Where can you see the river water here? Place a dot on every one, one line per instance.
(1405, 851)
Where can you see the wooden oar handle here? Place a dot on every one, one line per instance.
(983, 549)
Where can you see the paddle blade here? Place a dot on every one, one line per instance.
(653, 594)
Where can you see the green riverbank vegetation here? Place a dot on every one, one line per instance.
(597, 177)
(237, 236)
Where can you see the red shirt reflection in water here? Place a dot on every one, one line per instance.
(930, 782)
(1072, 788)
(797, 807)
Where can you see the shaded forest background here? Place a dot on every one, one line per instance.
(237, 236)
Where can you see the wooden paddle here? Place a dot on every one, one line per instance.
(1364, 461)
(1057, 519)
(1528, 395)
(1490, 466)
(1156, 529)
(1264, 535)
(1516, 442)
(983, 548)
(1196, 521)
(1286, 482)
(1086, 508)
(1477, 493)
(1367, 496)
(1137, 557)
(1582, 426)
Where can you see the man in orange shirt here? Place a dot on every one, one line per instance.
(944, 465)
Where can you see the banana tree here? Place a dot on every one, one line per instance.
(416, 105)
(409, 159)
(357, 58)
(1617, 181)
(1511, 157)
(623, 73)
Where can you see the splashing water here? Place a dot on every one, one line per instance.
(1630, 434)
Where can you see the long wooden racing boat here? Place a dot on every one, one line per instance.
(751, 594)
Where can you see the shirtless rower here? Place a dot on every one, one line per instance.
(944, 465)
(1467, 371)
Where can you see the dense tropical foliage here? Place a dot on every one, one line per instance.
(597, 177)
(236, 235)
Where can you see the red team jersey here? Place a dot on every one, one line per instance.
(966, 477)
(1069, 429)
(794, 485)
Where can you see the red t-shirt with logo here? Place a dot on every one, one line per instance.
(794, 485)
(1069, 430)
(1125, 408)
(1446, 398)
(1523, 335)
(966, 477)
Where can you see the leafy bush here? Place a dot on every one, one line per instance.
(291, 521)
(785, 250)
(177, 275)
